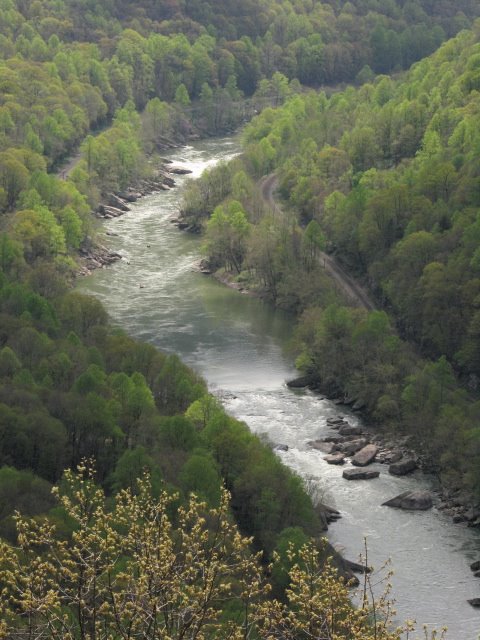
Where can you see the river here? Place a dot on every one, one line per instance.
(240, 345)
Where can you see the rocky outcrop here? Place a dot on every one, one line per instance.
(360, 474)
(411, 500)
(108, 212)
(118, 202)
(95, 257)
(326, 513)
(365, 456)
(402, 467)
(475, 602)
(458, 505)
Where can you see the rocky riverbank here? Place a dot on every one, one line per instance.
(363, 445)
(93, 255)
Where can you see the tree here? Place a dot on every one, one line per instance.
(226, 236)
(39, 232)
(156, 121)
(200, 476)
(9, 363)
(181, 96)
(318, 606)
(13, 178)
(313, 242)
(177, 432)
(129, 571)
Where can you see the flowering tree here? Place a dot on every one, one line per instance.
(139, 566)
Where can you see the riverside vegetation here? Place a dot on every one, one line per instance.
(75, 388)
(386, 178)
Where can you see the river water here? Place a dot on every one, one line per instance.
(240, 345)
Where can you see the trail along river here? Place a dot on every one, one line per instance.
(239, 345)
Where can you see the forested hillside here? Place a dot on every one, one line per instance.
(385, 177)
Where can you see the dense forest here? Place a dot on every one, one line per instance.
(385, 175)
(386, 178)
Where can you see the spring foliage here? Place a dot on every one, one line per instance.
(385, 178)
(144, 567)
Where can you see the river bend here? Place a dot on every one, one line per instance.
(239, 344)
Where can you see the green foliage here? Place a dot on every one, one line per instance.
(178, 432)
(290, 541)
(200, 476)
(266, 496)
(226, 236)
(24, 491)
(131, 466)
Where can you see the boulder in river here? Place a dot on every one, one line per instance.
(352, 446)
(475, 602)
(180, 171)
(360, 474)
(320, 445)
(350, 430)
(356, 567)
(402, 467)
(335, 458)
(417, 500)
(280, 447)
(475, 566)
(365, 456)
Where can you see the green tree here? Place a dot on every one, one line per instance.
(226, 235)
(127, 564)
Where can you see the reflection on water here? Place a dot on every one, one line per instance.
(238, 344)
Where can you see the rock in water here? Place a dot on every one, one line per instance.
(180, 171)
(365, 456)
(360, 474)
(411, 500)
(356, 567)
(352, 446)
(335, 458)
(402, 467)
(475, 602)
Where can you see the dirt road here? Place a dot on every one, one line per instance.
(68, 166)
(351, 289)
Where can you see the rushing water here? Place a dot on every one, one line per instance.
(239, 345)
